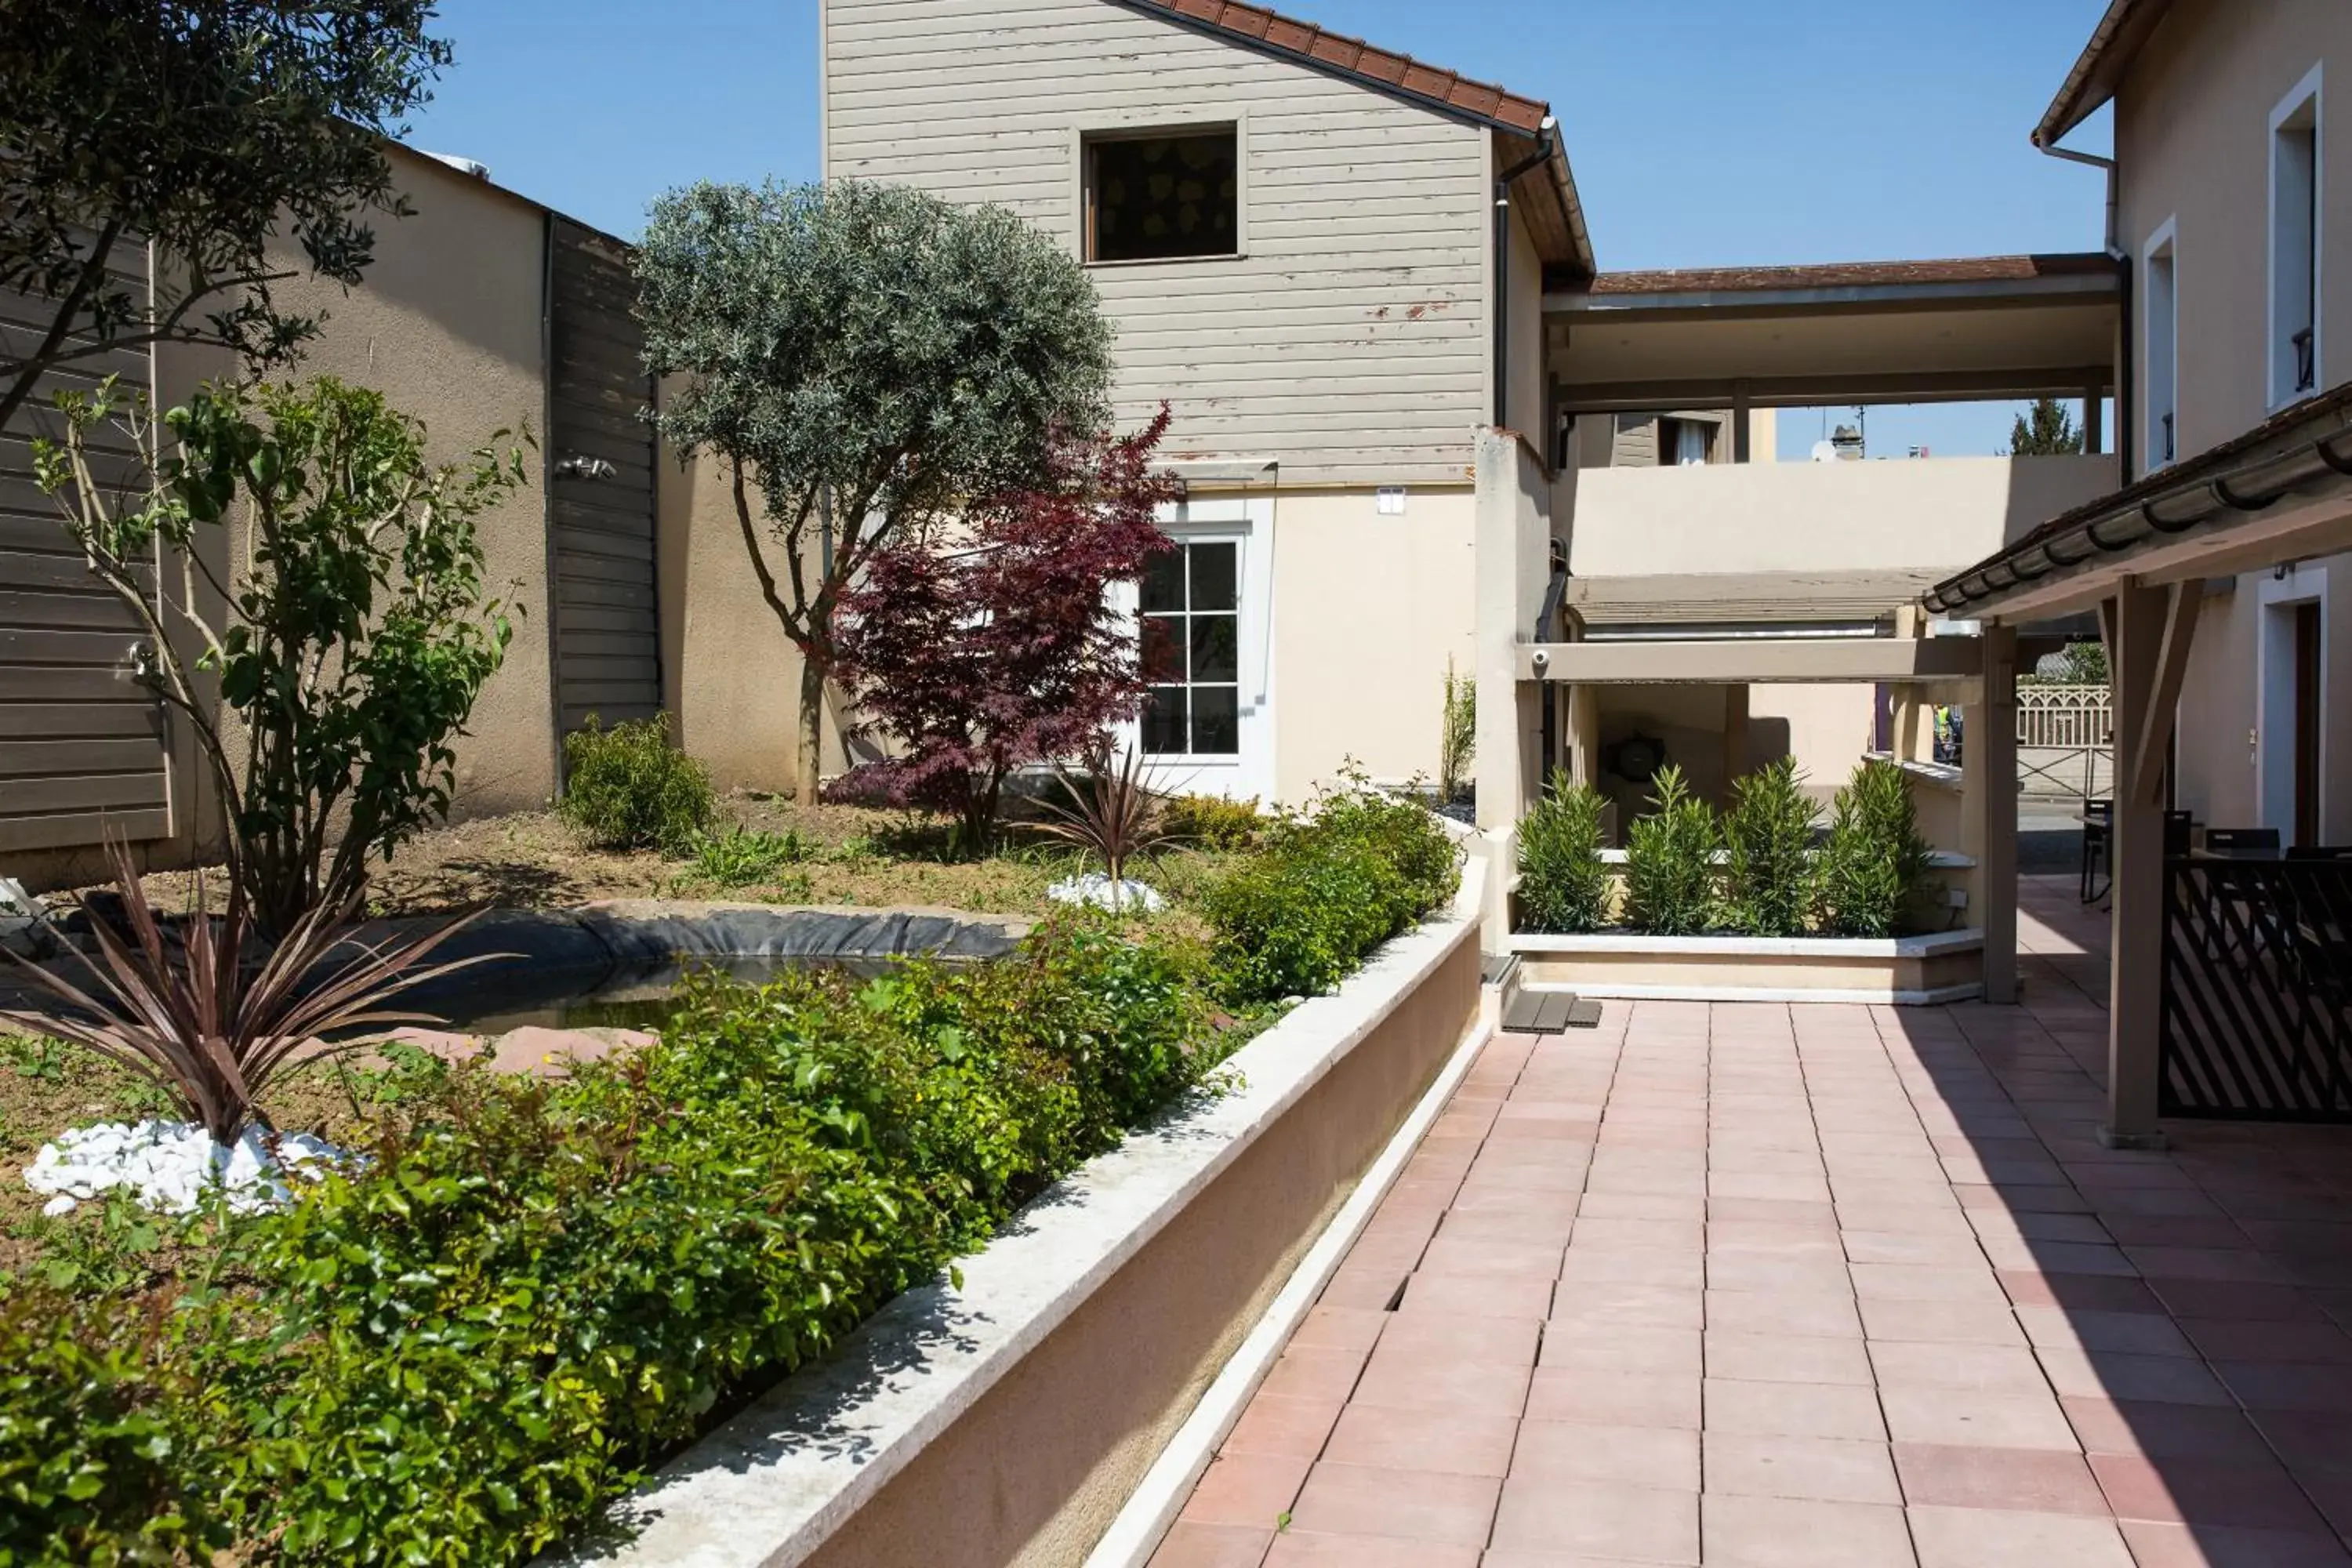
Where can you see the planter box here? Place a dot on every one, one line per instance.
(1008, 1420)
(1948, 967)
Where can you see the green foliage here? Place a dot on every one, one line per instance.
(2087, 664)
(1670, 861)
(1213, 822)
(739, 856)
(358, 630)
(1564, 885)
(897, 352)
(1457, 735)
(629, 788)
(535, 1289)
(1325, 889)
(1875, 869)
(2046, 429)
(1768, 837)
(233, 134)
(108, 1451)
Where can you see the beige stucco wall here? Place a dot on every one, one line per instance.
(732, 678)
(2193, 137)
(2192, 142)
(446, 326)
(1367, 609)
(1940, 513)
(1038, 1467)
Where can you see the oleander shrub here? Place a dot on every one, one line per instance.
(1564, 885)
(1213, 822)
(1670, 861)
(1872, 873)
(629, 788)
(1767, 840)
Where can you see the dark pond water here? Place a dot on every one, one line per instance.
(493, 1002)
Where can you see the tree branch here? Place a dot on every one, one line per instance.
(760, 562)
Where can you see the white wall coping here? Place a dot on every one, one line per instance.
(774, 1482)
(1941, 859)
(1877, 995)
(1935, 944)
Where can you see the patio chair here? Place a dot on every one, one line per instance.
(2241, 840)
(2319, 852)
(2098, 822)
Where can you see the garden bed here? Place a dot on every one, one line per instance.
(1945, 967)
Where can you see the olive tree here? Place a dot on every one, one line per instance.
(208, 128)
(864, 358)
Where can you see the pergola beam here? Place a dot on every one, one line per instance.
(1746, 661)
(1816, 391)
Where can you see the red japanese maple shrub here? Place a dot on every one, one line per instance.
(1001, 646)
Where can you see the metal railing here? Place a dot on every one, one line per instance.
(2066, 739)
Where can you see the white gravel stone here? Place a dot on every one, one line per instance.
(170, 1165)
(1097, 889)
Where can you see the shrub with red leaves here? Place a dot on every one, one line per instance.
(1001, 646)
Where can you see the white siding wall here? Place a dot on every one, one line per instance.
(1350, 342)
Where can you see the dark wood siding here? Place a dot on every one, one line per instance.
(607, 631)
(82, 754)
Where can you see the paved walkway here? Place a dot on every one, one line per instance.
(1816, 1286)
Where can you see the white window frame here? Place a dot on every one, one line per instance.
(2162, 247)
(2281, 593)
(2278, 367)
(1249, 522)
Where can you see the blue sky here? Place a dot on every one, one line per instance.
(1709, 132)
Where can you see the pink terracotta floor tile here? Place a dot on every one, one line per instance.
(2165, 1431)
(1447, 1443)
(1623, 1347)
(1941, 1322)
(1311, 1548)
(1412, 1505)
(1823, 1469)
(1787, 1358)
(2127, 1333)
(1253, 1490)
(1613, 1398)
(2257, 1495)
(1642, 1524)
(1962, 1415)
(2156, 1545)
(1287, 1428)
(2000, 1369)
(1192, 1544)
(2105, 1375)
(1440, 1384)
(1993, 1538)
(1792, 1532)
(1793, 1410)
(2027, 1480)
(1812, 1313)
(1573, 1451)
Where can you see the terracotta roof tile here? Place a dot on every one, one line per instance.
(1353, 55)
(1855, 274)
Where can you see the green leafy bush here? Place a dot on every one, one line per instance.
(1325, 889)
(1670, 861)
(1767, 834)
(533, 1289)
(1213, 822)
(356, 635)
(739, 856)
(1874, 870)
(629, 788)
(1564, 885)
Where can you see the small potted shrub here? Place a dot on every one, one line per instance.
(1768, 836)
(1873, 869)
(1670, 861)
(1563, 882)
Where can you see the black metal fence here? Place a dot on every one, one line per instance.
(2257, 1015)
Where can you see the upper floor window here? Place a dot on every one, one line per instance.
(1161, 196)
(2160, 299)
(2293, 353)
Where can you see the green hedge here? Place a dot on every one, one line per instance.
(535, 1290)
(1325, 889)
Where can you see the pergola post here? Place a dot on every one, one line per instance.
(2149, 633)
(1989, 771)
